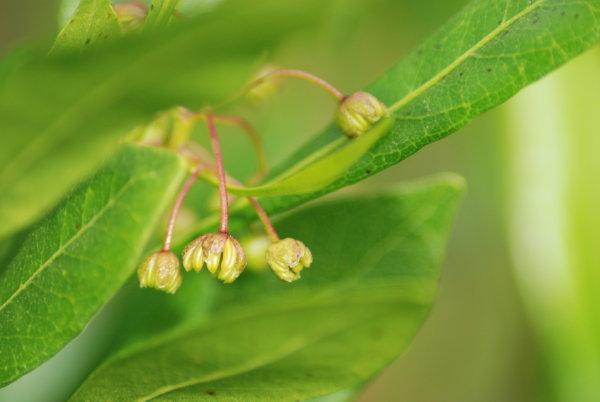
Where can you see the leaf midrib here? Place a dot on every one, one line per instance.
(450, 67)
(111, 202)
(429, 213)
(257, 363)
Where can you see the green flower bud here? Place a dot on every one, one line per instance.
(266, 88)
(161, 271)
(131, 14)
(222, 253)
(357, 113)
(255, 246)
(287, 258)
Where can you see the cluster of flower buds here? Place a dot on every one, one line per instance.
(222, 254)
(224, 258)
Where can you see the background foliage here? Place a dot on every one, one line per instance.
(484, 313)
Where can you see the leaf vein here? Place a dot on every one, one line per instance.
(111, 202)
(486, 39)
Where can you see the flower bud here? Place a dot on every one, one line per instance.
(357, 113)
(287, 258)
(131, 14)
(160, 271)
(255, 246)
(222, 253)
(266, 88)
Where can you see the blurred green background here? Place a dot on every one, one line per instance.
(517, 317)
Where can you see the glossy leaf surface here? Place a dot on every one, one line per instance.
(483, 56)
(93, 22)
(78, 256)
(377, 262)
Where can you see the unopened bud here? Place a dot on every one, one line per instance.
(131, 14)
(265, 87)
(161, 271)
(287, 258)
(255, 247)
(222, 254)
(357, 113)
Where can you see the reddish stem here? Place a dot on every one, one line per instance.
(262, 214)
(264, 218)
(336, 93)
(259, 148)
(221, 170)
(184, 190)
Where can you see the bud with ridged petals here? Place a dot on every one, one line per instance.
(131, 14)
(222, 254)
(287, 258)
(358, 112)
(161, 271)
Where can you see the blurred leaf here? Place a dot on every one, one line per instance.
(160, 13)
(372, 283)
(483, 56)
(195, 7)
(60, 116)
(553, 222)
(80, 255)
(12, 62)
(94, 22)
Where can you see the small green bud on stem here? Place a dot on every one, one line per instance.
(287, 258)
(161, 271)
(265, 88)
(221, 252)
(358, 112)
(255, 246)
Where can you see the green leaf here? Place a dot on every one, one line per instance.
(377, 262)
(160, 13)
(486, 54)
(313, 176)
(66, 9)
(93, 22)
(60, 116)
(80, 255)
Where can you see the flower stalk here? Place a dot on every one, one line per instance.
(177, 207)
(260, 211)
(257, 144)
(265, 220)
(224, 227)
(332, 90)
(356, 113)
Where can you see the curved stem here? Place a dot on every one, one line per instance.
(260, 211)
(264, 218)
(224, 228)
(336, 93)
(184, 190)
(259, 148)
(239, 121)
